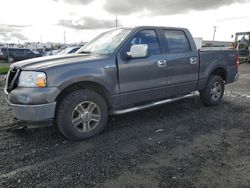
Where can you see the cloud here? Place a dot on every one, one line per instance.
(18, 36)
(5, 38)
(11, 28)
(86, 23)
(8, 32)
(8, 36)
(79, 2)
(233, 18)
(164, 7)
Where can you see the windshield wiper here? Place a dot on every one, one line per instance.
(85, 52)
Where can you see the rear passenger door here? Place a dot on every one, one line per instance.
(182, 61)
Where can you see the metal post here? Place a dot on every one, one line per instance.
(64, 37)
(116, 22)
(8, 52)
(215, 27)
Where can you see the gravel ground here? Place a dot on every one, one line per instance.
(182, 144)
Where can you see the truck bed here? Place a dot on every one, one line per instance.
(210, 59)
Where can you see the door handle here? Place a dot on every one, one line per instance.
(193, 60)
(162, 63)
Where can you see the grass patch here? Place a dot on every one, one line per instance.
(4, 69)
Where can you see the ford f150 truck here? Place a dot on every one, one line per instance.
(119, 71)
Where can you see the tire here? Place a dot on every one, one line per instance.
(213, 93)
(10, 59)
(82, 114)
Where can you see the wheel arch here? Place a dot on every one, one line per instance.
(219, 71)
(90, 85)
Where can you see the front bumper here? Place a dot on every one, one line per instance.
(34, 113)
(31, 112)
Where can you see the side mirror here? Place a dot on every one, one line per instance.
(138, 51)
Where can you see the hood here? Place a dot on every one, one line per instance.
(52, 61)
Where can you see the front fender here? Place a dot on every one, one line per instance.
(66, 76)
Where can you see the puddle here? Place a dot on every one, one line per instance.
(237, 94)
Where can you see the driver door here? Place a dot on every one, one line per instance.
(142, 79)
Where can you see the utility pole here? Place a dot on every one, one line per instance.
(215, 29)
(116, 22)
(64, 36)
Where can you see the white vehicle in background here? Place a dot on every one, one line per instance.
(198, 42)
(52, 52)
(69, 50)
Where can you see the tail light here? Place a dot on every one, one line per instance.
(237, 62)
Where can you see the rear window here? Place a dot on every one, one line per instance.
(7, 49)
(177, 41)
(19, 50)
(27, 51)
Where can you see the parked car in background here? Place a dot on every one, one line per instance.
(17, 54)
(52, 52)
(69, 50)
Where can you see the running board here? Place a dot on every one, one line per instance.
(124, 111)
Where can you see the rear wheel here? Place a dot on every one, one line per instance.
(214, 91)
(82, 114)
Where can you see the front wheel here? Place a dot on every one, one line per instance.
(82, 114)
(213, 93)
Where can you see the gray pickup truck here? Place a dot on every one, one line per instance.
(119, 71)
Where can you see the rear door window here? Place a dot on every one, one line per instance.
(176, 41)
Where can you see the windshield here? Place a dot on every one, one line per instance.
(105, 43)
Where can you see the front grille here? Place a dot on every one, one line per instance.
(11, 79)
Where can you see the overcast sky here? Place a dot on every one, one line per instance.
(46, 20)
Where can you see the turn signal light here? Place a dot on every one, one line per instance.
(41, 81)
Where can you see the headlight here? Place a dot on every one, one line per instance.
(32, 79)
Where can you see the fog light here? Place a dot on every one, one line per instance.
(24, 99)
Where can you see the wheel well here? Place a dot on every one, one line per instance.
(86, 85)
(220, 72)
